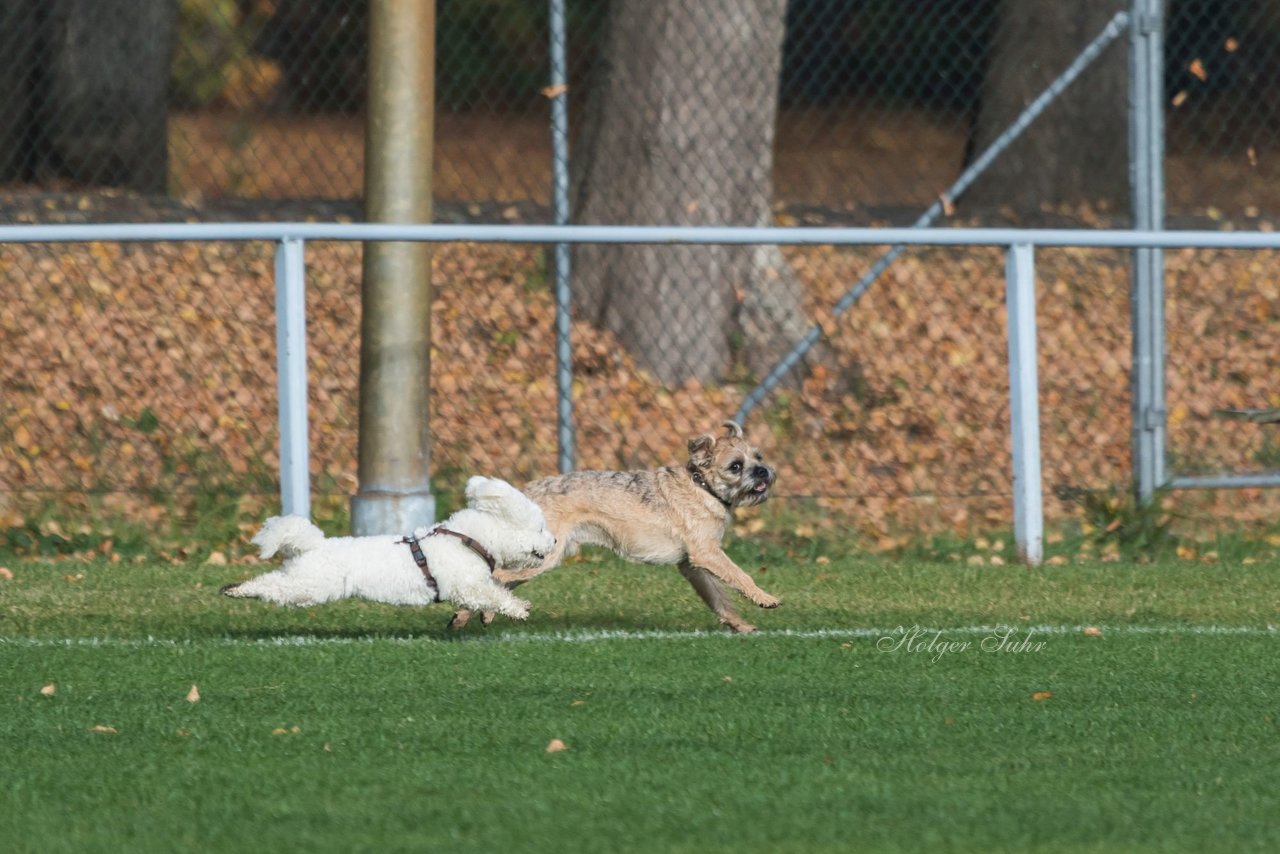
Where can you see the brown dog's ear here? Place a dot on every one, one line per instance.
(732, 429)
(700, 450)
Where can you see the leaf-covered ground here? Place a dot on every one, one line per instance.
(140, 371)
(151, 367)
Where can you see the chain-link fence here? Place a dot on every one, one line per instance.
(147, 371)
(879, 103)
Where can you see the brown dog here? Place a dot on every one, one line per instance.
(666, 516)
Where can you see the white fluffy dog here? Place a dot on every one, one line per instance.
(451, 561)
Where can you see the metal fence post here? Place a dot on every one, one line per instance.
(559, 94)
(1024, 402)
(291, 377)
(1146, 175)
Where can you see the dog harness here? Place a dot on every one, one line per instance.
(415, 549)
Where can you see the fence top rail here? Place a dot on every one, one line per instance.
(649, 234)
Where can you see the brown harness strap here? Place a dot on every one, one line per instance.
(471, 544)
(415, 549)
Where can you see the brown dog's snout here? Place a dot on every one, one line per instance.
(761, 473)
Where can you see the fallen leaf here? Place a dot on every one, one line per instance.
(1092, 632)
(556, 746)
(6, 573)
(49, 690)
(100, 728)
(1040, 696)
(554, 91)
(193, 696)
(216, 559)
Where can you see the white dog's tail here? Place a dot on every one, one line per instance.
(287, 536)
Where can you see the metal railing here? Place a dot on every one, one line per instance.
(1019, 244)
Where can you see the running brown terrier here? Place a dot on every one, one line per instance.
(672, 515)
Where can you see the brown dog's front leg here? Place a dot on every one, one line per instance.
(718, 564)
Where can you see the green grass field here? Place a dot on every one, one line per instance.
(357, 727)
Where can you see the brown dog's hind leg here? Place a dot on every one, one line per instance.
(712, 592)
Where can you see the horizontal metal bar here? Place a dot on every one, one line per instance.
(684, 235)
(1225, 481)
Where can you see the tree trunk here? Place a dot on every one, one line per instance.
(17, 46)
(680, 131)
(1076, 152)
(105, 108)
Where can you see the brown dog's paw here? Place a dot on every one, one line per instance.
(459, 620)
(768, 601)
(486, 617)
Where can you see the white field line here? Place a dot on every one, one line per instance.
(602, 635)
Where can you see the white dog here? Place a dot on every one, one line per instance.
(452, 561)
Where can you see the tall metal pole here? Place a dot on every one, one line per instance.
(1146, 176)
(394, 493)
(559, 92)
